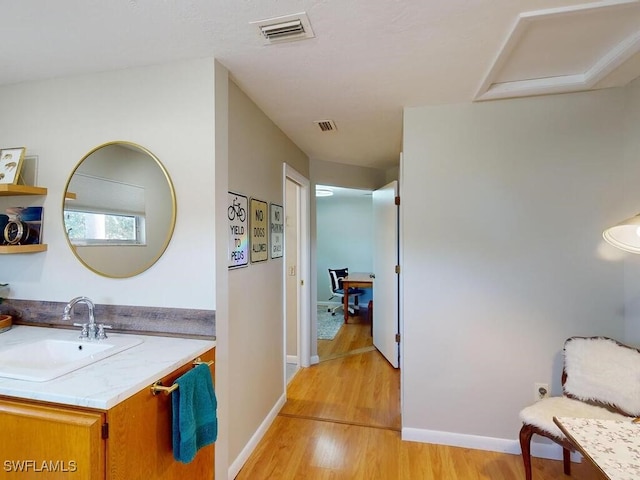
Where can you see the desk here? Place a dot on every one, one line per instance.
(613, 446)
(354, 280)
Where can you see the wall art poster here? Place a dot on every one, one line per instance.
(238, 216)
(277, 230)
(259, 215)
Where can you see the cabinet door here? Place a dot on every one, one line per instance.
(139, 444)
(40, 441)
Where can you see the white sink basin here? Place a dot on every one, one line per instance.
(43, 360)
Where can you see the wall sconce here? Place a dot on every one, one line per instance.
(625, 235)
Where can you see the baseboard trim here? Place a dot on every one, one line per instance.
(292, 359)
(246, 452)
(549, 451)
(327, 303)
(315, 359)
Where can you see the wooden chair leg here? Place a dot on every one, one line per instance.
(566, 460)
(526, 432)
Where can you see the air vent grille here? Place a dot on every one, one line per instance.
(285, 29)
(280, 30)
(326, 125)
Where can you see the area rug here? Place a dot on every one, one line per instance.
(328, 325)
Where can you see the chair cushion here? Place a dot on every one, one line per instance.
(600, 369)
(541, 413)
(336, 275)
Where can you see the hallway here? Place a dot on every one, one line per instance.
(341, 421)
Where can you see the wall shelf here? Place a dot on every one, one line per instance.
(41, 247)
(10, 189)
(7, 190)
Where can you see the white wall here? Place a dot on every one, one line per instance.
(344, 238)
(503, 206)
(630, 207)
(167, 109)
(348, 176)
(257, 150)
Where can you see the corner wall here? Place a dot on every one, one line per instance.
(503, 207)
(257, 150)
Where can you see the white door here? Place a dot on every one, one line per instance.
(385, 284)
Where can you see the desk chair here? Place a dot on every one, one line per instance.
(335, 283)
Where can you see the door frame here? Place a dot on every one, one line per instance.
(304, 267)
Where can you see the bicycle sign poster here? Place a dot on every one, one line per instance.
(238, 215)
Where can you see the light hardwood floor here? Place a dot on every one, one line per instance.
(342, 421)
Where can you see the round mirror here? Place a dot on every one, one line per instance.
(119, 209)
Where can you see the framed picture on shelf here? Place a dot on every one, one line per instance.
(10, 164)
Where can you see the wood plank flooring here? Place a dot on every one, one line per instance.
(353, 336)
(342, 421)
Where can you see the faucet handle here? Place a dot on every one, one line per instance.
(85, 329)
(101, 335)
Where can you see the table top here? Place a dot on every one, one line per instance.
(613, 446)
(358, 277)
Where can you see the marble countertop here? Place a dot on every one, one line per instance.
(613, 446)
(107, 382)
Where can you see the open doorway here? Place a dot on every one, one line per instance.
(344, 240)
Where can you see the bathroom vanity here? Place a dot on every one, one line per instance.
(101, 421)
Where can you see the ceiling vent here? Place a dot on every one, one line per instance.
(326, 125)
(288, 28)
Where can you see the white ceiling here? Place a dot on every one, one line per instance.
(368, 60)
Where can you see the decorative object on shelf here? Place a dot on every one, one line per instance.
(4, 219)
(10, 164)
(29, 171)
(24, 226)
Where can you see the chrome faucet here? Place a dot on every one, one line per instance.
(91, 330)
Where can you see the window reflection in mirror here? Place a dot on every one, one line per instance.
(119, 209)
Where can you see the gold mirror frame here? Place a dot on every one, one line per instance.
(106, 255)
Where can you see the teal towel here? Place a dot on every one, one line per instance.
(194, 406)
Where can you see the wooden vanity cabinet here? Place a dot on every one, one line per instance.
(140, 445)
(127, 442)
(47, 441)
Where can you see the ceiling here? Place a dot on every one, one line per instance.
(368, 59)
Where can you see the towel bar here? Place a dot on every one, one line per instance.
(157, 387)
(198, 361)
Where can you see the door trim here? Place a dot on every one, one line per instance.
(304, 267)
